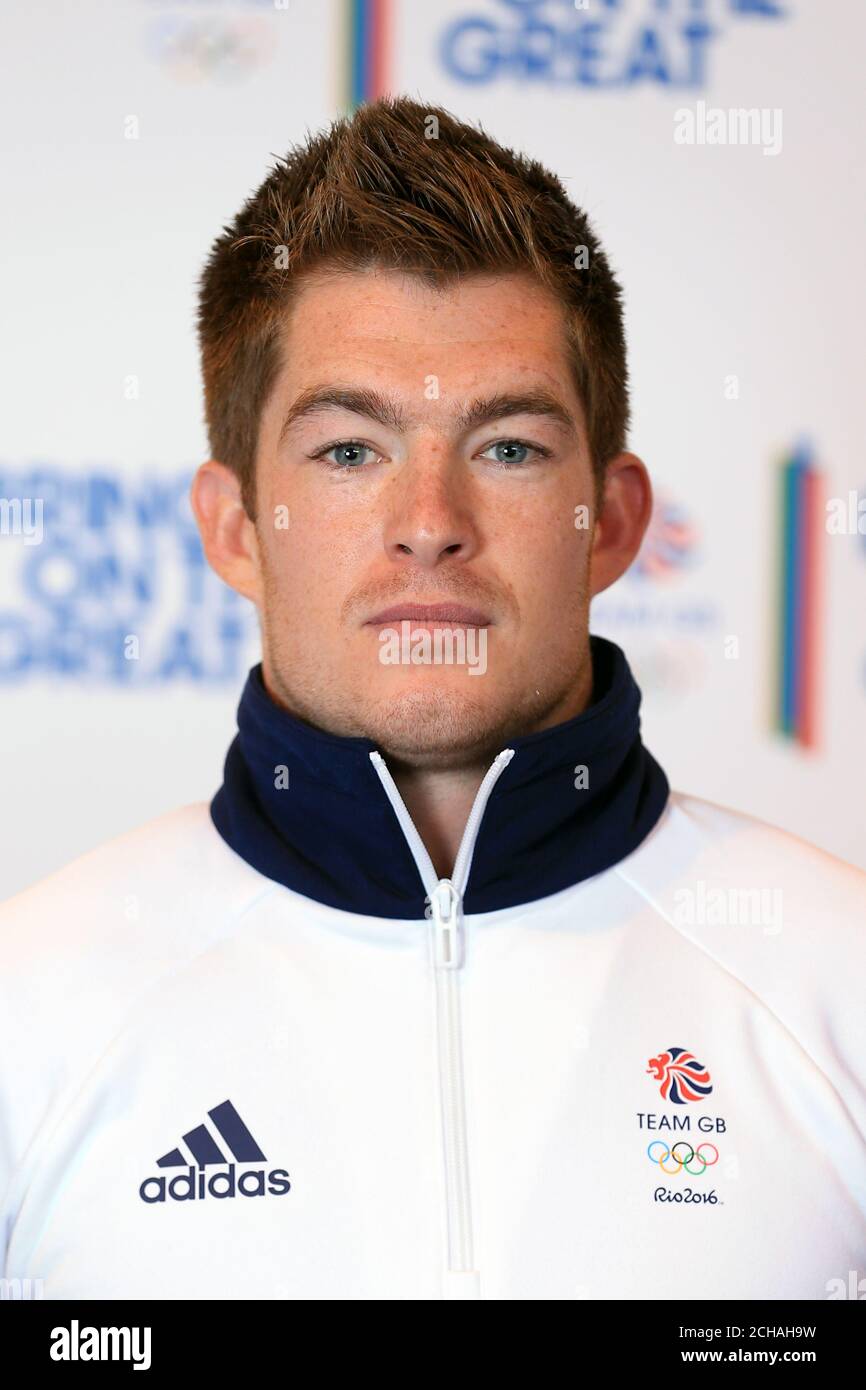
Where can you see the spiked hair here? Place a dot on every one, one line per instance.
(376, 190)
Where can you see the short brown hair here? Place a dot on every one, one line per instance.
(376, 190)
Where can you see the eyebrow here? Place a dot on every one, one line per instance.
(388, 412)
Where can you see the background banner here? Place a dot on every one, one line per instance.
(714, 144)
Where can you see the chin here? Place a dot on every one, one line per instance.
(449, 717)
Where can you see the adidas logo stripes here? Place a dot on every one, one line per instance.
(206, 1152)
(204, 1147)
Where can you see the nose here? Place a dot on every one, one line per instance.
(430, 517)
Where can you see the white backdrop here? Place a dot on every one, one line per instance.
(132, 131)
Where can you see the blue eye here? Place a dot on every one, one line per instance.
(514, 452)
(348, 454)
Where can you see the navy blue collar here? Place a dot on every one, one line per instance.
(332, 833)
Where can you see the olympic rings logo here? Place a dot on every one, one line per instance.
(681, 1163)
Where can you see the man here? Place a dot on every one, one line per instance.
(446, 994)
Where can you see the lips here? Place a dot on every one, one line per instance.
(432, 613)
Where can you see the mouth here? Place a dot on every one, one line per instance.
(431, 615)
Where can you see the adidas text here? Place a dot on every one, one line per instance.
(184, 1187)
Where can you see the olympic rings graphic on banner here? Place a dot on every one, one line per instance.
(681, 1162)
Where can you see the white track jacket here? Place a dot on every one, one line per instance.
(648, 1084)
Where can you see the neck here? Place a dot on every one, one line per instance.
(439, 799)
(439, 804)
(314, 810)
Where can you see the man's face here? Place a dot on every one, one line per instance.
(450, 476)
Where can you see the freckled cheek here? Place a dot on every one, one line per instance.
(544, 556)
(316, 559)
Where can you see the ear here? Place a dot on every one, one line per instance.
(227, 534)
(622, 521)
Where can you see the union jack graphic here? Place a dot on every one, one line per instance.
(670, 543)
(681, 1075)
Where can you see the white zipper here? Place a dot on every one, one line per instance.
(445, 911)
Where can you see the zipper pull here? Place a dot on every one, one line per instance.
(445, 915)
